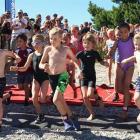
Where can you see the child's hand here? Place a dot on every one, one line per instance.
(80, 75)
(107, 56)
(124, 62)
(46, 68)
(17, 60)
(13, 68)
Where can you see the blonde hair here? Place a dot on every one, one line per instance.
(89, 37)
(110, 31)
(38, 37)
(55, 31)
(137, 37)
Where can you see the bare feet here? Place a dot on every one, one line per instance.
(91, 117)
(138, 118)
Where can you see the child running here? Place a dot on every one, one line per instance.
(3, 56)
(88, 83)
(124, 49)
(136, 58)
(55, 56)
(24, 79)
(40, 78)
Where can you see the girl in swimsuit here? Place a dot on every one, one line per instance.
(40, 78)
(124, 48)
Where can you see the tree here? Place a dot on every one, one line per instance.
(125, 1)
(127, 10)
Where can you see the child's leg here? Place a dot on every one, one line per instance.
(118, 81)
(71, 71)
(90, 94)
(137, 96)
(137, 93)
(27, 91)
(127, 82)
(1, 111)
(35, 92)
(86, 100)
(28, 78)
(109, 70)
(61, 105)
(5, 96)
(137, 99)
(44, 90)
(20, 86)
(127, 96)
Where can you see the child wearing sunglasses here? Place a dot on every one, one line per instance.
(40, 78)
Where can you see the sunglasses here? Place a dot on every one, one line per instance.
(34, 43)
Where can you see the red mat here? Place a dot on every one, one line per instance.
(105, 92)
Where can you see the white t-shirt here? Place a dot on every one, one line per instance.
(137, 55)
(110, 43)
(19, 27)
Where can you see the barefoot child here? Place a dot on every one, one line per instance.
(136, 58)
(109, 44)
(3, 56)
(40, 78)
(56, 55)
(87, 59)
(124, 49)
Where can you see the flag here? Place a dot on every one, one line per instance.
(10, 6)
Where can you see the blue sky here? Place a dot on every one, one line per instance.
(74, 10)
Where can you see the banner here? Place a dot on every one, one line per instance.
(10, 6)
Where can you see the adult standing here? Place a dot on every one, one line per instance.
(18, 27)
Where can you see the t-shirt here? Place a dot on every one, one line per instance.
(23, 54)
(110, 43)
(18, 24)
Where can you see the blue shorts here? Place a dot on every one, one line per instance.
(137, 89)
(25, 78)
(2, 86)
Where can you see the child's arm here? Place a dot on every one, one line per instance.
(12, 55)
(43, 64)
(100, 60)
(112, 50)
(130, 59)
(75, 60)
(25, 67)
(104, 63)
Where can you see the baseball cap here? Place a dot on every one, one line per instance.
(20, 11)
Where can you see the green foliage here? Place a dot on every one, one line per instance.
(125, 1)
(128, 10)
